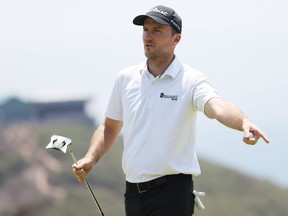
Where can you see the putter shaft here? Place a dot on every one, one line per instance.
(87, 184)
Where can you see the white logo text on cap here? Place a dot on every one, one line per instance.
(160, 11)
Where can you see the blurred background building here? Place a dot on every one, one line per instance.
(16, 110)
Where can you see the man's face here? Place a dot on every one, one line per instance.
(159, 40)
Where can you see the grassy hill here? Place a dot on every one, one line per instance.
(35, 181)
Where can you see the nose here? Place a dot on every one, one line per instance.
(146, 35)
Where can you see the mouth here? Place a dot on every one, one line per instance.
(148, 46)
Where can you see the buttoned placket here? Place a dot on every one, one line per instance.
(151, 90)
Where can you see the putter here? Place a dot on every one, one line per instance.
(62, 144)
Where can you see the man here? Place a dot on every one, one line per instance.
(155, 104)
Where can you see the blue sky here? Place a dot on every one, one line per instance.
(67, 49)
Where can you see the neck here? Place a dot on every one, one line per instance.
(158, 66)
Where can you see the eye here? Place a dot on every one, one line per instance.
(157, 30)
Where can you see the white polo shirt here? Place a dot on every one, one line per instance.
(159, 119)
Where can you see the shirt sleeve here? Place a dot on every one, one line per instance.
(203, 92)
(114, 108)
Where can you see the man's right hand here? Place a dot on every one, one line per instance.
(82, 168)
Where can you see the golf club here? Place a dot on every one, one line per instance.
(62, 143)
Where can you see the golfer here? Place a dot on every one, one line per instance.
(155, 105)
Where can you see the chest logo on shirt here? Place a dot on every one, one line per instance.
(172, 97)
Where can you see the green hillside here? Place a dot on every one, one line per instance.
(35, 181)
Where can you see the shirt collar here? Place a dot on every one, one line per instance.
(173, 70)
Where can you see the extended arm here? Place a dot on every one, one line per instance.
(102, 140)
(230, 116)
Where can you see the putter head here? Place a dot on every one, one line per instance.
(59, 142)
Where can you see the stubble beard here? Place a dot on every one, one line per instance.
(151, 55)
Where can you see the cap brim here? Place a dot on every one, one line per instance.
(139, 20)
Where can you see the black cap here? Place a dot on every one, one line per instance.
(163, 15)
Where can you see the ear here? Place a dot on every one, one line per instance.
(177, 38)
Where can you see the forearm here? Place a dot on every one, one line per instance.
(227, 114)
(232, 117)
(102, 140)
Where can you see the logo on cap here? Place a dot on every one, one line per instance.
(160, 11)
